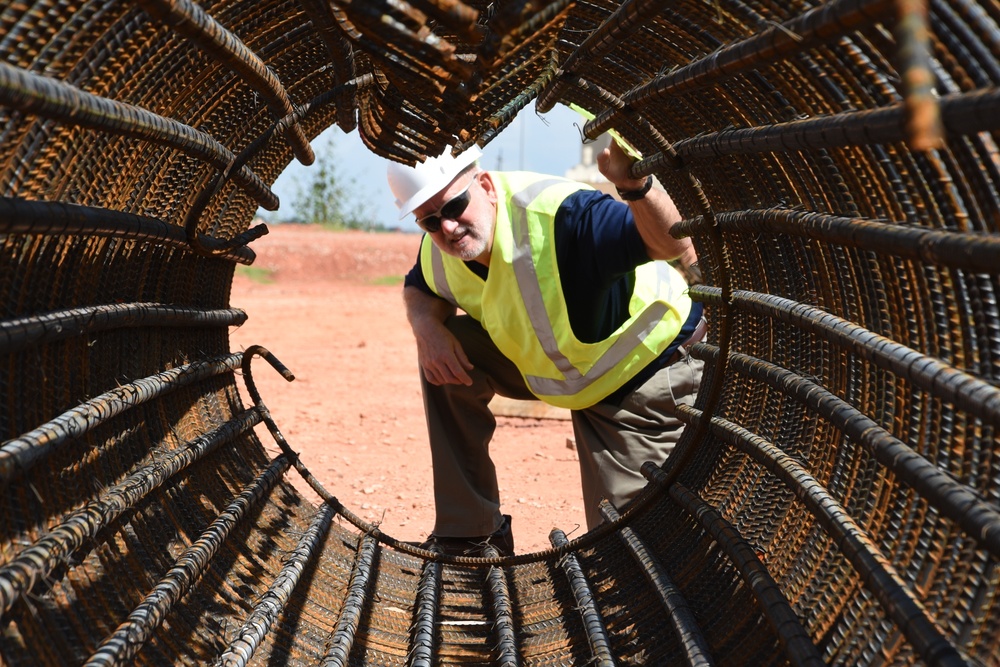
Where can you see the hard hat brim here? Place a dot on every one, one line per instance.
(436, 185)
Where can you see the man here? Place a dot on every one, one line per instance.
(562, 304)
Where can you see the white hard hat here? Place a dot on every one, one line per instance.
(412, 186)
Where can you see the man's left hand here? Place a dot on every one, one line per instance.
(614, 164)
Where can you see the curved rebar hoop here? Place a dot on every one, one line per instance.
(191, 21)
(364, 526)
(195, 239)
(35, 94)
(216, 248)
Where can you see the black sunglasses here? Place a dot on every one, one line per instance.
(451, 209)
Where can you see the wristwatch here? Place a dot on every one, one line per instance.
(636, 195)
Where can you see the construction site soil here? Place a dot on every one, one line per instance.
(329, 306)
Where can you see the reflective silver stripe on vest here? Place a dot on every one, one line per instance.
(440, 279)
(531, 293)
(666, 288)
(527, 281)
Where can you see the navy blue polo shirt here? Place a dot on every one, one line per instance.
(598, 247)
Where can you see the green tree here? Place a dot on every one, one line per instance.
(330, 198)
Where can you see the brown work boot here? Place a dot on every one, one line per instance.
(502, 539)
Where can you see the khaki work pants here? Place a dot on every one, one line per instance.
(613, 441)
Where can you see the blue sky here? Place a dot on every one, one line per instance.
(548, 144)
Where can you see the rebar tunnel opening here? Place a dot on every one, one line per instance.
(835, 498)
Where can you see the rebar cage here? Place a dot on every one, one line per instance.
(836, 496)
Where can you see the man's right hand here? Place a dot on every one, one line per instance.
(441, 357)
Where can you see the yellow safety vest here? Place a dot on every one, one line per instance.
(522, 307)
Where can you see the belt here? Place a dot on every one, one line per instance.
(696, 337)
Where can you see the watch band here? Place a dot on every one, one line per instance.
(636, 195)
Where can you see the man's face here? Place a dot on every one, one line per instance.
(466, 213)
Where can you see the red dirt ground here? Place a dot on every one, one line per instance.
(333, 314)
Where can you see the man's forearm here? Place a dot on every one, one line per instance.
(654, 215)
(424, 311)
(440, 355)
(654, 211)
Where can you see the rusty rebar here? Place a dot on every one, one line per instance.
(272, 604)
(424, 640)
(923, 116)
(55, 99)
(19, 575)
(962, 113)
(507, 654)
(775, 608)
(20, 454)
(813, 28)
(874, 569)
(586, 604)
(688, 631)
(23, 216)
(128, 639)
(24, 332)
(190, 20)
(955, 500)
(625, 20)
(969, 251)
(976, 396)
(358, 597)
(342, 58)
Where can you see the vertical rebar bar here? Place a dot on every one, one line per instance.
(697, 652)
(342, 638)
(586, 604)
(272, 603)
(503, 613)
(424, 640)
